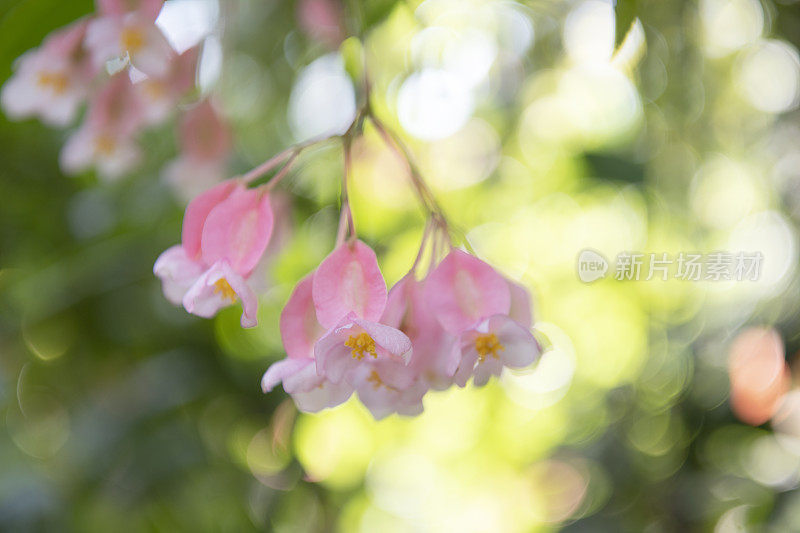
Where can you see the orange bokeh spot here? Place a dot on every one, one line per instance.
(758, 373)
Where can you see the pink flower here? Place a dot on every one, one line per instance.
(299, 332)
(121, 32)
(386, 387)
(218, 287)
(496, 342)
(205, 142)
(355, 341)
(238, 229)
(471, 300)
(204, 134)
(225, 232)
(433, 357)
(462, 290)
(106, 138)
(162, 94)
(51, 81)
(323, 368)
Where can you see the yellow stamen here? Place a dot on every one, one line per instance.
(360, 344)
(104, 144)
(131, 39)
(487, 344)
(377, 382)
(221, 286)
(56, 81)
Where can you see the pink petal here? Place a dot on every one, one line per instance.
(148, 9)
(332, 356)
(398, 302)
(197, 212)
(116, 109)
(326, 395)
(205, 297)
(102, 40)
(468, 357)
(78, 152)
(520, 309)
(299, 327)
(66, 41)
(204, 134)
(184, 71)
(392, 340)
(520, 346)
(349, 280)
(277, 372)
(177, 273)
(238, 229)
(380, 390)
(463, 289)
(156, 55)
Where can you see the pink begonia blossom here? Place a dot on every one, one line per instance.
(161, 95)
(299, 332)
(355, 340)
(358, 352)
(123, 33)
(496, 342)
(225, 232)
(470, 299)
(106, 138)
(205, 142)
(433, 356)
(238, 230)
(51, 81)
(462, 290)
(218, 287)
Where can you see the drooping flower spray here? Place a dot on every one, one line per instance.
(451, 318)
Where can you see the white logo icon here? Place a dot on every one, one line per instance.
(591, 266)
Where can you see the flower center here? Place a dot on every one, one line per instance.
(361, 344)
(487, 344)
(223, 288)
(131, 39)
(56, 81)
(377, 382)
(104, 144)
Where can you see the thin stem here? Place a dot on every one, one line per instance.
(423, 191)
(346, 211)
(268, 165)
(283, 171)
(291, 152)
(425, 234)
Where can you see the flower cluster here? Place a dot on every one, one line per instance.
(123, 67)
(225, 233)
(343, 333)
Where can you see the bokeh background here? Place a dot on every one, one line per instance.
(659, 406)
